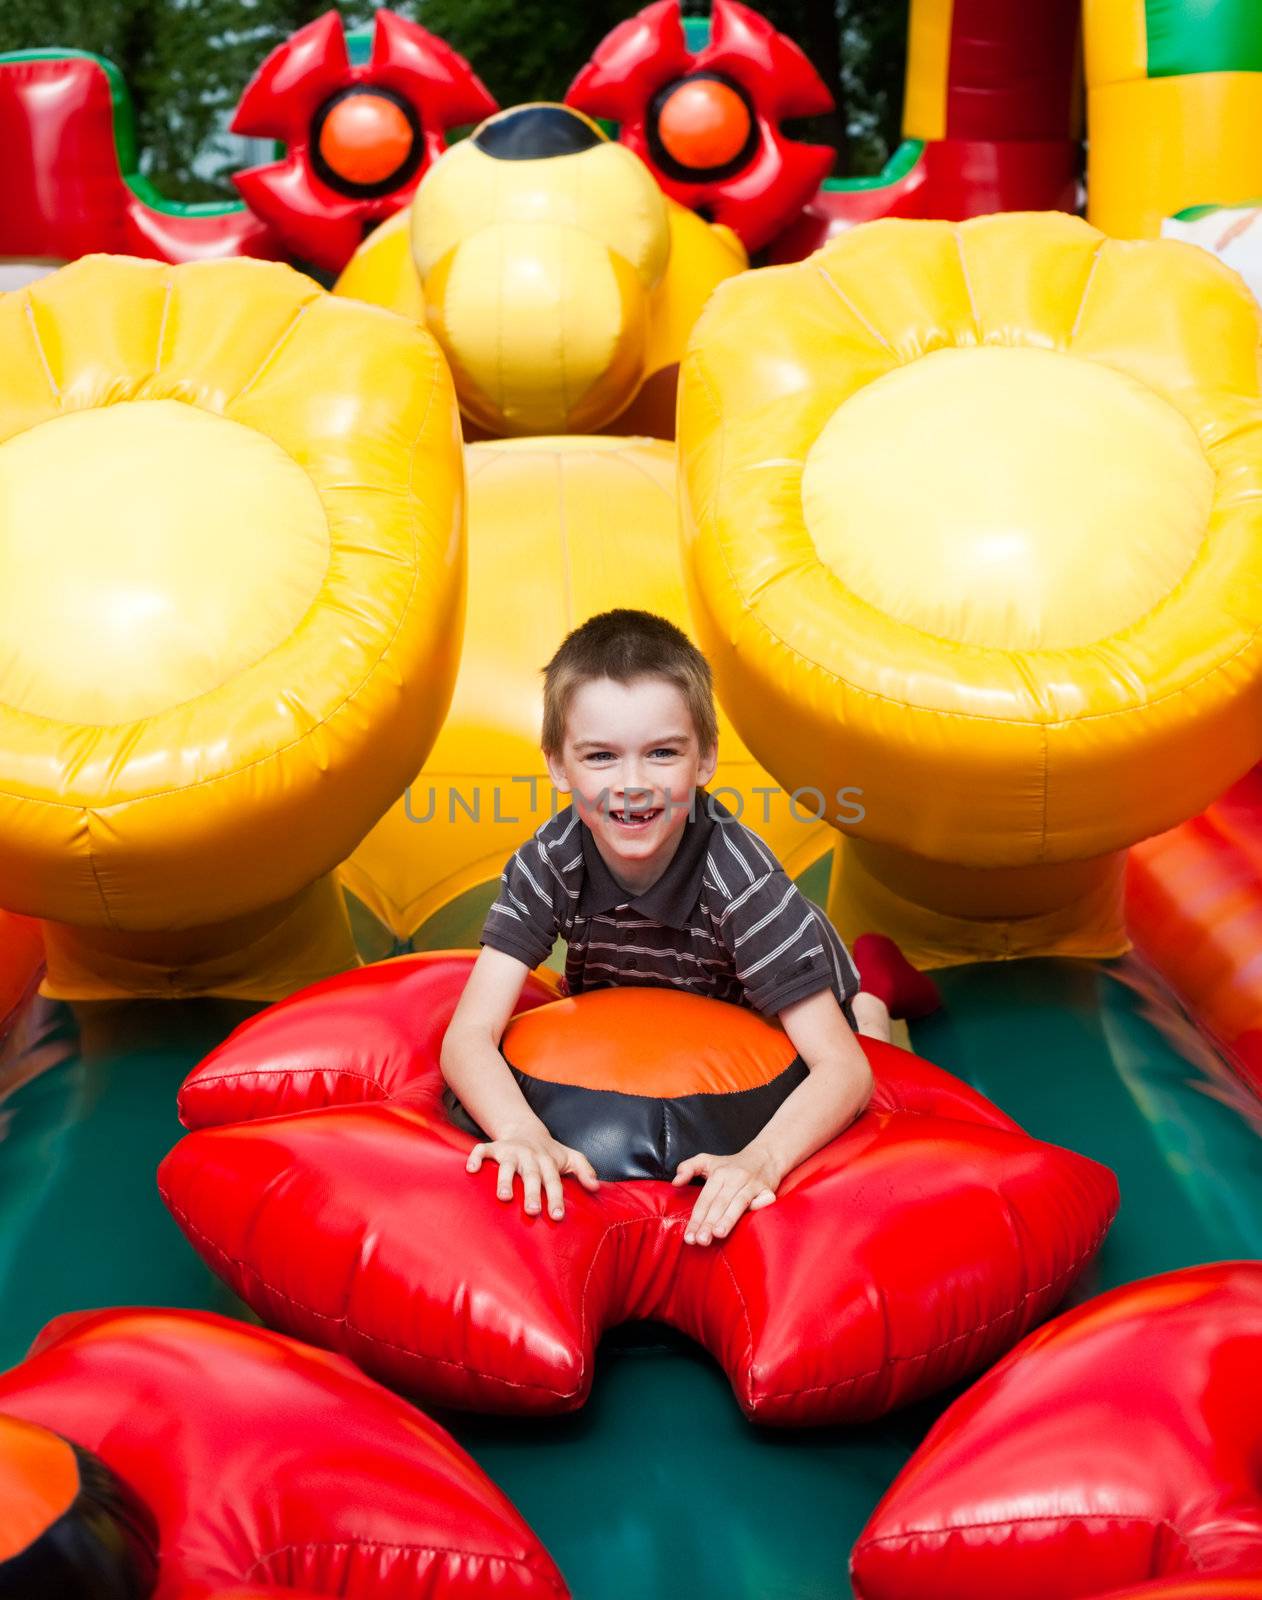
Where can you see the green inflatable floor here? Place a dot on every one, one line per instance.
(659, 1487)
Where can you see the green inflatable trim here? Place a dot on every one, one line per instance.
(1195, 213)
(895, 169)
(1187, 36)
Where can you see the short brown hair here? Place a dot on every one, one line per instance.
(625, 645)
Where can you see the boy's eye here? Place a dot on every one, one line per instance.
(608, 755)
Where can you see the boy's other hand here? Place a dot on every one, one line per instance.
(539, 1161)
(733, 1185)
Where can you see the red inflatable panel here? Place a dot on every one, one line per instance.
(64, 192)
(1192, 1589)
(21, 963)
(269, 1466)
(908, 1253)
(950, 179)
(1194, 909)
(1118, 1445)
(1011, 70)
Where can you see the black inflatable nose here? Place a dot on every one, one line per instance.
(532, 133)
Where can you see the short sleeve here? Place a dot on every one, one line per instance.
(523, 922)
(784, 948)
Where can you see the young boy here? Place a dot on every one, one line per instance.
(651, 882)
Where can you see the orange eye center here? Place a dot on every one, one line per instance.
(703, 123)
(365, 138)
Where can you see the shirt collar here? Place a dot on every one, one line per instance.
(675, 894)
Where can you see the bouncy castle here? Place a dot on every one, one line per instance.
(954, 473)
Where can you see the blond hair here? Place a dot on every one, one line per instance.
(625, 645)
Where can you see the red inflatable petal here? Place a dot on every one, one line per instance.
(378, 1033)
(316, 224)
(1117, 1445)
(421, 66)
(631, 64)
(911, 1251)
(288, 89)
(765, 61)
(266, 1463)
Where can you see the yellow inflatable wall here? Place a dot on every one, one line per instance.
(559, 529)
(1174, 109)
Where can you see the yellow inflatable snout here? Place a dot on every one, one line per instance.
(539, 242)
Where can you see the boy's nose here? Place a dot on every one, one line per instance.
(634, 784)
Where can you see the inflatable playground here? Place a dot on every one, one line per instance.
(955, 474)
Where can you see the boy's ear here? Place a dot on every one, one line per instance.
(556, 772)
(709, 764)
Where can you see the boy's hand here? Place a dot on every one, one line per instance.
(539, 1161)
(733, 1185)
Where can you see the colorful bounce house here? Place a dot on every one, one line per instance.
(961, 492)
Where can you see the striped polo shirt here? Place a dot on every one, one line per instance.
(724, 919)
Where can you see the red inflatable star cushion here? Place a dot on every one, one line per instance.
(708, 123)
(270, 1468)
(1117, 1449)
(358, 137)
(327, 1185)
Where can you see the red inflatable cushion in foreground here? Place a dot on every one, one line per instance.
(910, 1252)
(270, 1467)
(1118, 1445)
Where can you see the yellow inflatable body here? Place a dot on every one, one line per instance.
(559, 529)
(230, 594)
(971, 527)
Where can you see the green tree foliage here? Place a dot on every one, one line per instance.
(187, 61)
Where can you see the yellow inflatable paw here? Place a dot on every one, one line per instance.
(971, 525)
(230, 586)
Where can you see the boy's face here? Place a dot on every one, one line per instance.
(632, 763)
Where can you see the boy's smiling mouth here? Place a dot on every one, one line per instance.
(635, 820)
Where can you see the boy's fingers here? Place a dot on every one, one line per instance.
(687, 1170)
(732, 1212)
(530, 1188)
(504, 1183)
(699, 1222)
(552, 1186)
(765, 1197)
(475, 1158)
(578, 1166)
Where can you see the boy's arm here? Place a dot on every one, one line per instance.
(837, 1087)
(480, 1079)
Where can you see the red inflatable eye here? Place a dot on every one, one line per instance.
(703, 123)
(365, 138)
